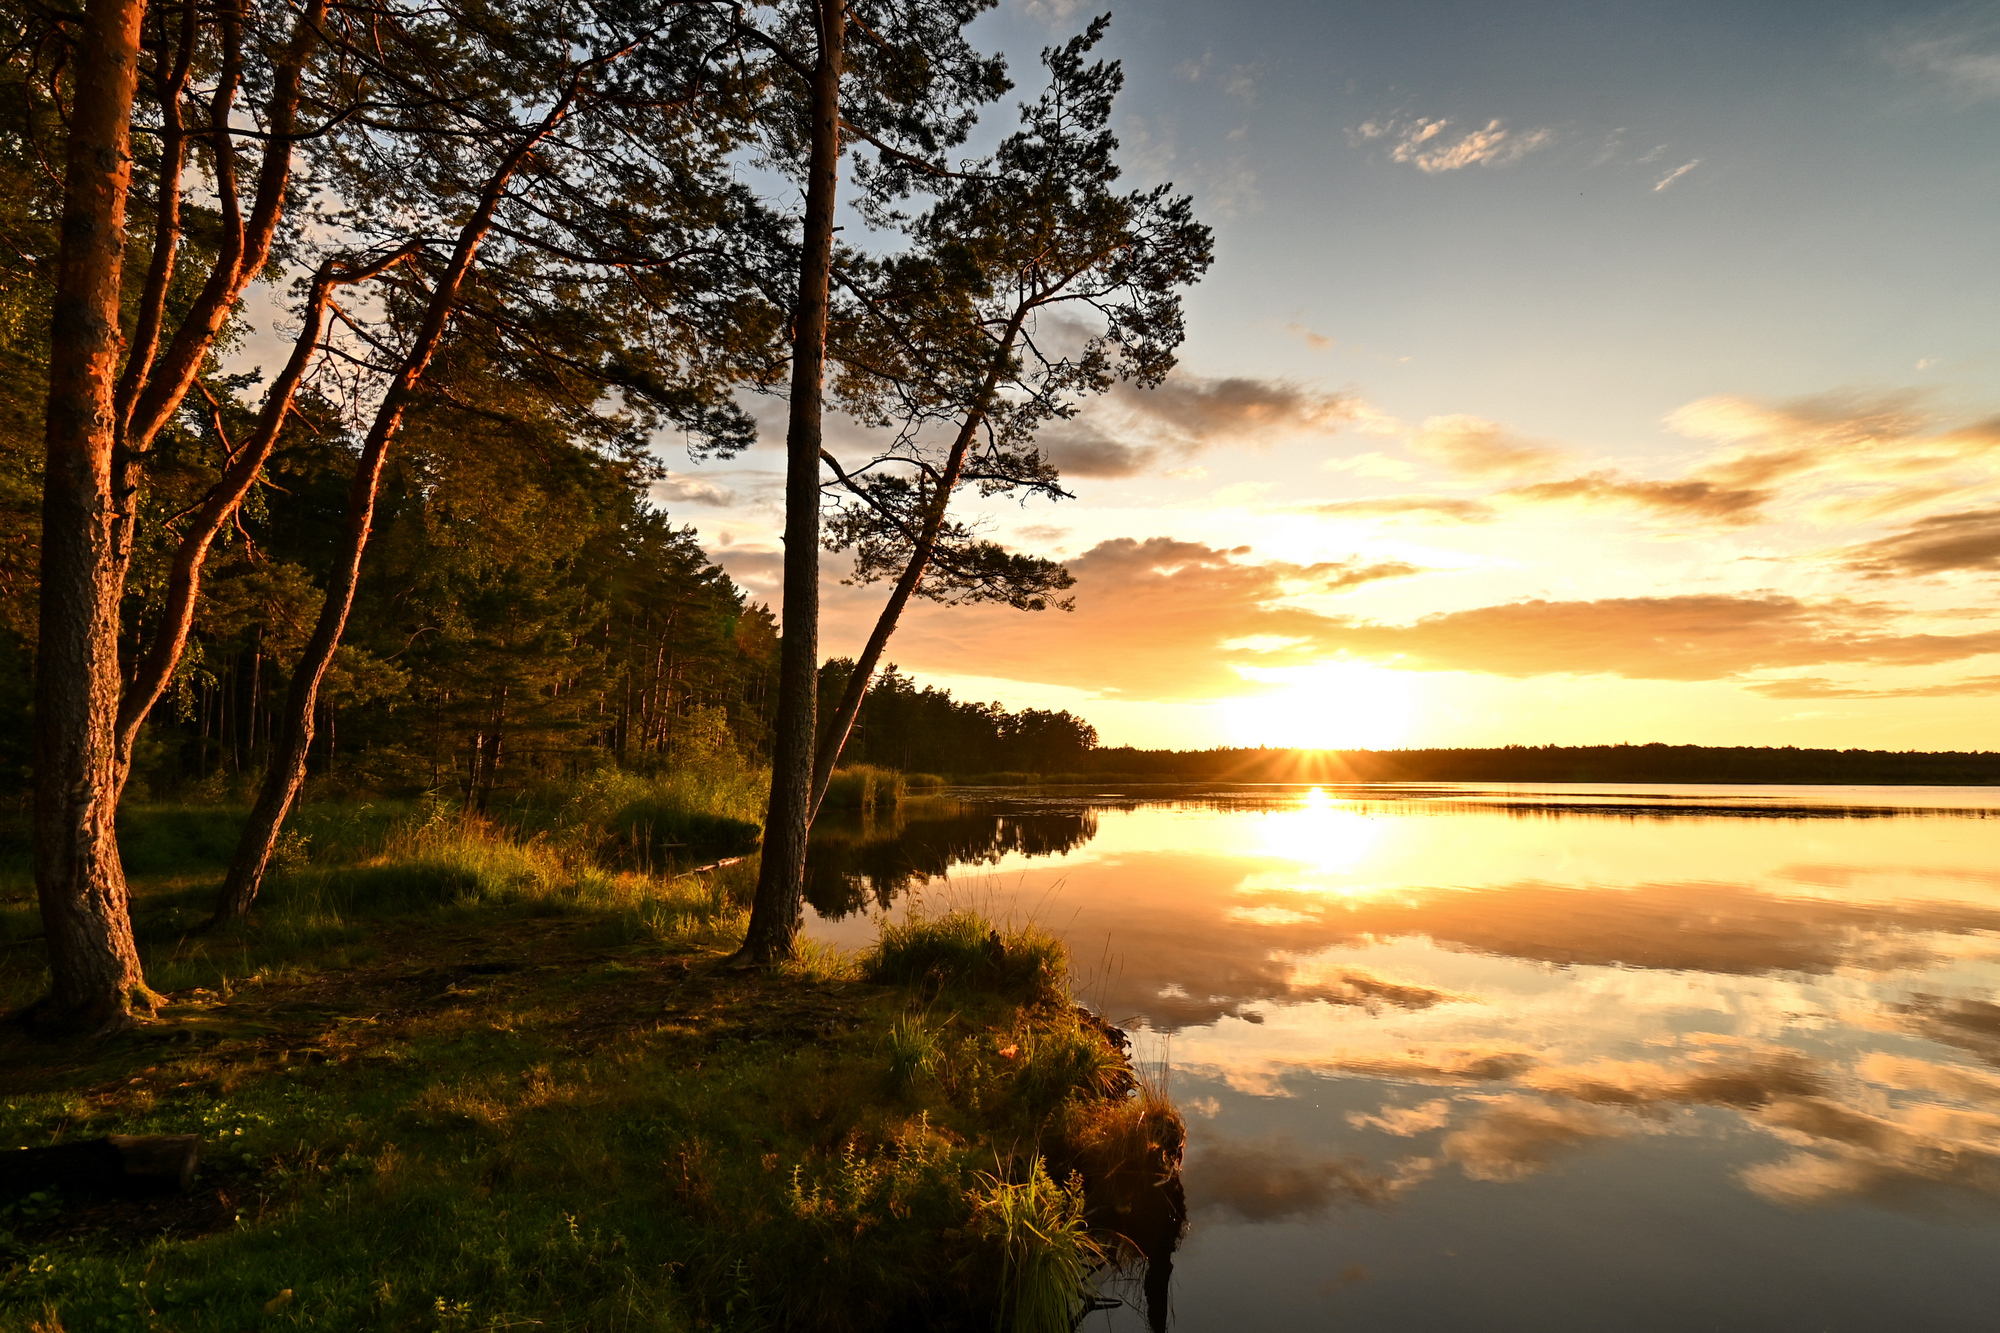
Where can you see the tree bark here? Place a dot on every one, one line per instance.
(838, 728)
(286, 771)
(94, 968)
(778, 908)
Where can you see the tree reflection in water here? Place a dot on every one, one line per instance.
(857, 861)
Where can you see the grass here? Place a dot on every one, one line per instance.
(961, 950)
(866, 788)
(466, 1073)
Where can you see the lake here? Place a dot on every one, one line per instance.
(1487, 1057)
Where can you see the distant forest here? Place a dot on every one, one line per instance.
(1556, 763)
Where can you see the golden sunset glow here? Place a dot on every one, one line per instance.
(1334, 705)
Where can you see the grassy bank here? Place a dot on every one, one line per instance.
(464, 1073)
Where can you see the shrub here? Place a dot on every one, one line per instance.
(964, 950)
(866, 788)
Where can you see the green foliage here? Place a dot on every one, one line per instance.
(866, 788)
(963, 951)
(914, 1052)
(1045, 1246)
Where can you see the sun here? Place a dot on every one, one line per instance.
(1328, 706)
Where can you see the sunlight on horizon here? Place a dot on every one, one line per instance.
(1326, 706)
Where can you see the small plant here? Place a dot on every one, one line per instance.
(1064, 1063)
(1045, 1249)
(914, 1052)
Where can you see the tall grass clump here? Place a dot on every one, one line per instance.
(962, 950)
(866, 788)
(1044, 1245)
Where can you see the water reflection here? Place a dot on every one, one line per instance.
(1489, 1058)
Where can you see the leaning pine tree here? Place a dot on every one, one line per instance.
(944, 348)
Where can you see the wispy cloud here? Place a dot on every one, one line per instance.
(1479, 447)
(1966, 60)
(1430, 147)
(1134, 430)
(1319, 342)
(1676, 174)
(675, 490)
(1939, 544)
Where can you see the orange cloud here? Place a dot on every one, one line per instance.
(1939, 544)
(1517, 1137)
(1819, 687)
(1480, 447)
(1167, 619)
(1409, 506)
(1679, 499)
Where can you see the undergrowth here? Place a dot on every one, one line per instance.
(463, 1072)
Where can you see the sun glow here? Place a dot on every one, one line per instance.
(1329, 706)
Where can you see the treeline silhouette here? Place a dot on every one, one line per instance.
(927, 731)
(1554, 763)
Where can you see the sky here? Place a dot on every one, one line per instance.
(1568, 373)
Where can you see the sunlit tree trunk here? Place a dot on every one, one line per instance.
(285, 772)
(778, 908)
(93, 962)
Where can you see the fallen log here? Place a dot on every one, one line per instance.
(116, 1164)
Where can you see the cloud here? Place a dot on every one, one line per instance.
(1235, 407)
(1440, 508)
(1371, 464)
(1181, 600)
(1134, 429)
(1819, 687)
(1517, 1137)
(1080, 449)
(1405, 1121)
(1923, 1159)
(1269, 1182)
(1425, 145)
(1692, 637)
(1319, 342)
(1480, 447)
(673, 490)
(1970, 1025)
(1679, 499)
(1719, 1078)
(1676, 174)
(1450, 1065)
(1967, 61)
(1939, 544)
(1184, 601)
(759, 570)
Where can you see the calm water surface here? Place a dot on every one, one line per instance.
(1487, 1057)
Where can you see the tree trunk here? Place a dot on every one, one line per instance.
(777, 910)
(93, 962)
